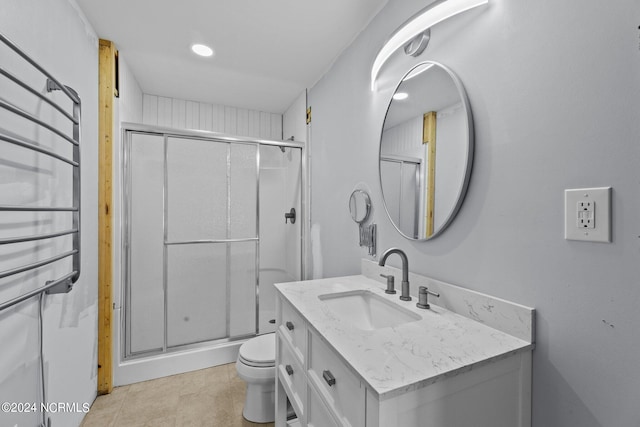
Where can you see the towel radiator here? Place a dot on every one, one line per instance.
(64, 283)
(26, 139)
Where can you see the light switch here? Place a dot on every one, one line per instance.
(588, 214)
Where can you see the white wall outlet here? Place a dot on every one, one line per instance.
(587, 214)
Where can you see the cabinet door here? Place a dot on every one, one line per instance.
(318, 415)
(339, 387)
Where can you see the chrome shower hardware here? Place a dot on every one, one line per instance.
(290, 216)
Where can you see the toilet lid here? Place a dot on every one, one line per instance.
(259, 351)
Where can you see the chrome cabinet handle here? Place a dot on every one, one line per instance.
(329, 378)
(289, 326)
(289, 369)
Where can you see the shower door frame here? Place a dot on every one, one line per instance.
(128, 130)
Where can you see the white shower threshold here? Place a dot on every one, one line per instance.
(158, 366)
(172, 363)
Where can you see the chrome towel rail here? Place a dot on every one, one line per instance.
(33, 146)
(37, 264)
(38, 94)
(38, 209)
(73, 96)
(46, 288)
(10, 240)
(37, 121)
(61, 135)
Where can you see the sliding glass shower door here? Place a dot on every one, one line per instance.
(401, 185)
(195, 208)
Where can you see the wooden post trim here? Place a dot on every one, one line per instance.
(429, 138)
(106, 86)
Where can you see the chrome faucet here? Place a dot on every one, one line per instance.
(405, 270)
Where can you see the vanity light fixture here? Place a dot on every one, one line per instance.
(202, 50)
(418, 25)
(418, 44)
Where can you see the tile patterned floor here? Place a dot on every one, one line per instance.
(211, 397)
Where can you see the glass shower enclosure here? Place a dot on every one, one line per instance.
(401, 179)
(205, 237)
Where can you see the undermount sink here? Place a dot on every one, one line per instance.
(366, 310)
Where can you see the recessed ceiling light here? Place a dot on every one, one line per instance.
(202, 50)
(400, 96)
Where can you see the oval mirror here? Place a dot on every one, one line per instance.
(426, 151)
(359, 206)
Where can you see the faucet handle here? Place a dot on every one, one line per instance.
(390, 283)
(423, 294)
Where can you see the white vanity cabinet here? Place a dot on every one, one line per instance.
(291, 354)
(494, 395)
(339, 388)
(321, 388)
(408, 375)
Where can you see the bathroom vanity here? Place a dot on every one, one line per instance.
(348, 354)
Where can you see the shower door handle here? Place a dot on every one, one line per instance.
(291, 215)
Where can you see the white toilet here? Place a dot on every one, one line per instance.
(256, 365)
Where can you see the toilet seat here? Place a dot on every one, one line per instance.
(259, 352)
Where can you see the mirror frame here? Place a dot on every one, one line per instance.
(462, 190)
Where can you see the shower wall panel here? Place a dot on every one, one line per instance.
(293, 192)
(184, 114)
(280, 241)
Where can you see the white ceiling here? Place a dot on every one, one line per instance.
(266, 51)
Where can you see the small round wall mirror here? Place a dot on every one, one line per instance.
(359, 206)
(426, 151)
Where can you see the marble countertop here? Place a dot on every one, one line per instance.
(392, 361)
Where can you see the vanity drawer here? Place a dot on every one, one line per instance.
(339, 387)
(294, 329)
(292, 376)
(318, 415)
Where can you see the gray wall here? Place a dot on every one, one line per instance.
(554, 88)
